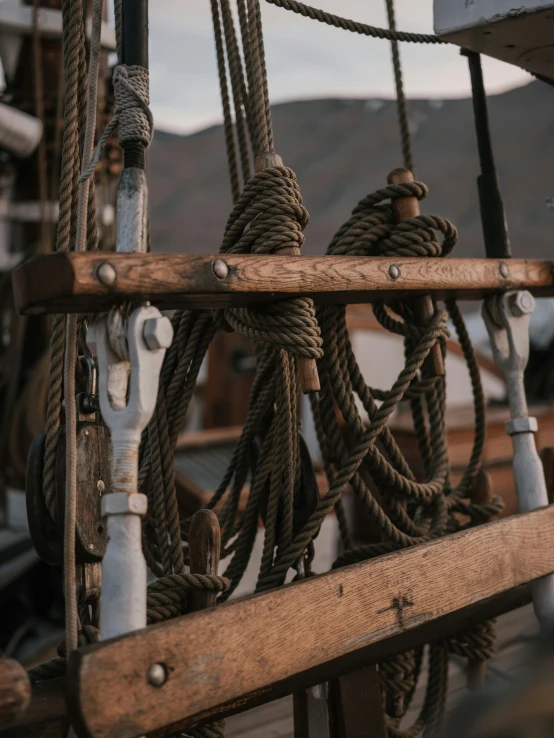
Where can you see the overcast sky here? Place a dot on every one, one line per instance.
(305, 59)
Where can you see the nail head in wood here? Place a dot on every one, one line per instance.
(394, 271)
(221, 270)
(106, 274)
(204, 551)
(504, 271)
(157, 675)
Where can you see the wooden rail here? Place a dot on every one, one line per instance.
(314, 629)
(71, 282)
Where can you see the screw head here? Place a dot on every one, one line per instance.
(157, 675)
(522, 303)
(106, 274)
(394, 271)
(100, 486)
(504, 271)
(220, 269)
(158, 333)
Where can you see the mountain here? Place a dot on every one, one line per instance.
(343, 149)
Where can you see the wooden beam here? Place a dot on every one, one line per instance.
(70, 282)
(48, 716)
(221, 656)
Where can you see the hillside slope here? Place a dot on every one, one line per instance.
(343, 149)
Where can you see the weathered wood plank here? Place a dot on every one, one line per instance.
(221, 656)
(70, 282)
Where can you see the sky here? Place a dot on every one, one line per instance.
(305, 59)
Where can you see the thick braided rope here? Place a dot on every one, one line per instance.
(269, 216)
(349, 25)
(75, 77)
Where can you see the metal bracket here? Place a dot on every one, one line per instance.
(507, 319)
(128, 389)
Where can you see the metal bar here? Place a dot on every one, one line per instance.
(493, 216)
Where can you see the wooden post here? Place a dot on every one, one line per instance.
(15, 691)
(358, 705)
(481, 494)
(204, 551)
(307, 368)
(405, 208)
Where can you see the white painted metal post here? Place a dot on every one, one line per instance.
(127, 402)
(507, 319)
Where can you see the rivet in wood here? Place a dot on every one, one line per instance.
(106, 274)
(394, 271)
(504, 271)
(100, 486)
(157, 675)
(221, 270)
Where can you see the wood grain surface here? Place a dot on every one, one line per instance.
(243, 647)
(68, 282)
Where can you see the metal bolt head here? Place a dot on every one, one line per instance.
(504, 271)
(158, 333)
(106, 274)
(521, 303)
(157, 675)
(221, 270)
(394, 271)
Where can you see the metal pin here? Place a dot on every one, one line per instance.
(106, 274)
(221, 270)
(504, 271)
(394, 271)
(100, 486)
(157, 675)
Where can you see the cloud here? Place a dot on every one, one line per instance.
(305, 59)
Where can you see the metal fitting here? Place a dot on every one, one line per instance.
(106, 274)
(504, 271)
(394, 271)
(158, 333)
(157, 675)
(120, 503)
(220, 268)
(521, 303)
(521, 425)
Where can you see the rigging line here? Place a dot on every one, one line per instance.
(71, 613)
(45, 223)
(307, 11)
(401, 103)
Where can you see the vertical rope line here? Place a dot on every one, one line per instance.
(73, 34)
(45, 214)
(224, 89)
(401, 104)
(238, 84)
(71, 612)
(255, 70)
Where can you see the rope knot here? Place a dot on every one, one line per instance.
(132, 100)
(269, 218)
